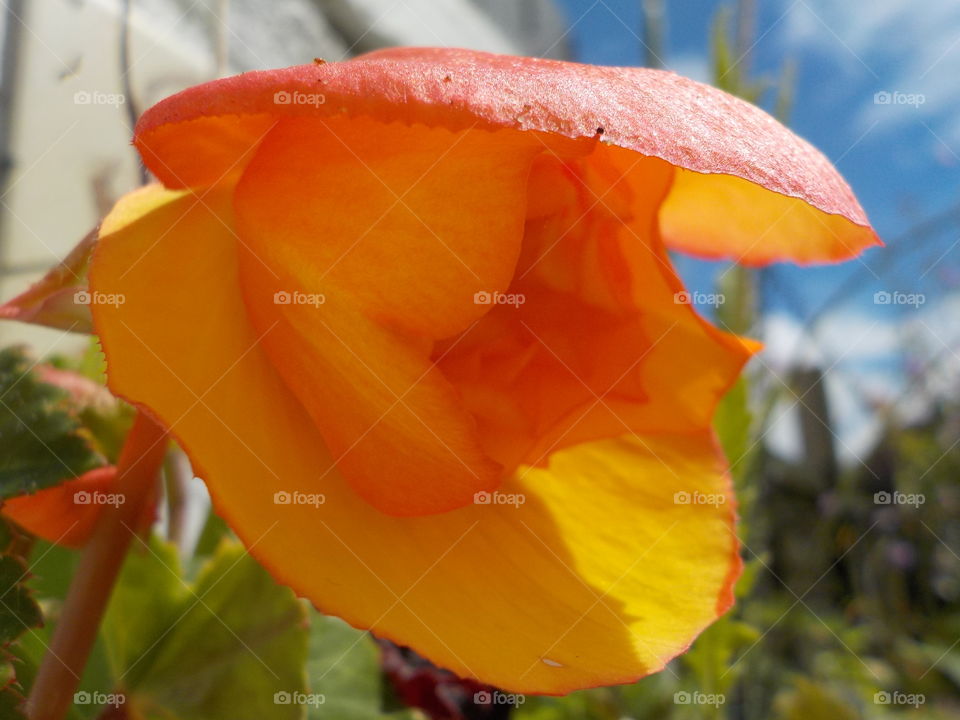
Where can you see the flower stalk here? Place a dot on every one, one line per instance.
(60, 671)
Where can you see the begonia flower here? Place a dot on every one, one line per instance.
(414, 320)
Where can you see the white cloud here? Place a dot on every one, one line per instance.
(865, 355)
(695, 66)
(893, 46)
(851, 336)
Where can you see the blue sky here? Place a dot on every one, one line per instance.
(903, 160)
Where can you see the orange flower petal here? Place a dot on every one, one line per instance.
(363, 244)
(58, 299)
(220, 148)
(531, 595)
(799, 207)
(598, 344)
(66, 513)
(723, 216)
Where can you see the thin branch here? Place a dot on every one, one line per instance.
(131, 104)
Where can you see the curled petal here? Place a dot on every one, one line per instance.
(353, 267)
(716, 139)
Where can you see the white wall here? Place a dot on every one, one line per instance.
(71, 124)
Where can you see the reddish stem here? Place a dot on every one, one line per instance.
(137, 475)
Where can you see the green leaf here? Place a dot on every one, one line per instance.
(93, 363)
(9, 706)
(725, 72)
(51, 569)
(40, 442)
(19, 612)
(729, 61)
(106, 420)
(712, 657)
(733, 421)
(811, 700)
(149, 594)
(786, 89)
(223, 646)
(214, 531)
(343, 668)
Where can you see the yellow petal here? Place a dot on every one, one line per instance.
(600, 575)
(724, 216)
